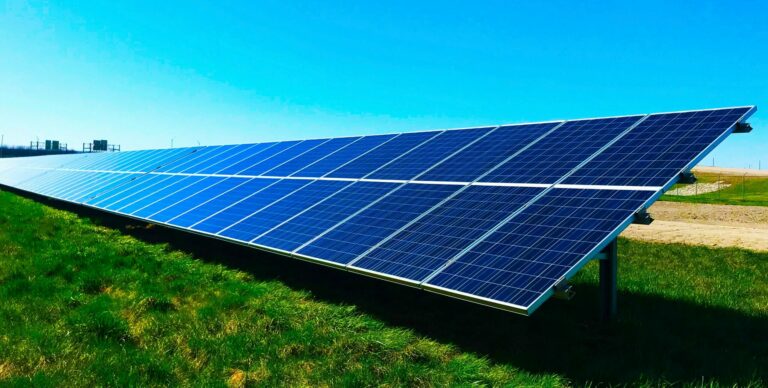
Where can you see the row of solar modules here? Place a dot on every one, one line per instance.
(646, 155)
(502, 244)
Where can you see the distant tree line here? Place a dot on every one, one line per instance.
(19, 151)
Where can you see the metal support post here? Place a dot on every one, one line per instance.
(608, 273)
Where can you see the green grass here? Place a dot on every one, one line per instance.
(747, 190)
(83, 304)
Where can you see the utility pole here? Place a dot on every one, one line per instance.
(2, 144)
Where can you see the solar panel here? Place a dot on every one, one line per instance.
(499, 215)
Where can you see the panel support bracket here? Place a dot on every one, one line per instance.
(564, 291)
(742, 128)
(642, 217)
(687, 177)
(608, 277)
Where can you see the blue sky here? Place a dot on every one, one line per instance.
(143, 73)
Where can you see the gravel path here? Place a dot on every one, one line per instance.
(705, 224)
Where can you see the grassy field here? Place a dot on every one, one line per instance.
(83, 303)
(743, 190)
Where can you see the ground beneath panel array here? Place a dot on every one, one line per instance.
(498, 215)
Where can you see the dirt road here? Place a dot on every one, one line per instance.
(705, 224)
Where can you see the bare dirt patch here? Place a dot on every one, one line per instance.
(703, 213)
(730, 171)
(705, 224)
(699, 188)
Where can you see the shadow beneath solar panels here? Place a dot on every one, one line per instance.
(655, 339)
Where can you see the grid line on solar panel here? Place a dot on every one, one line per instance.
(233, 154)
(422, 246)
(532, 201)
(246, 152)
(246, 206)
(382, 156)
(200, 198)
(560, 151)
(202, 153)
(258, 157)
(427, 155)
(74, 183)
(375, 202)
(665, 145)
(222, 167)
(159, 202)
(487, 131)
(309, 157)
(352, 236)
(224, 201)
(258, 151)
(278, 159)
(523, 258)
(428, 141)
(261, 220)
(344, 156)
(29, 177)
(92, 192)
(168, 187)
(451, 196)
(476, 160)
(224, 170)
(224, 152)
(158, 162)
(206, 159)
(305, 226)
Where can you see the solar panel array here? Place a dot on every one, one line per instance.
(497, 215)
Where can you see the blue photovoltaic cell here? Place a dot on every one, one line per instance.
(247, 203)
(429, 153)
(107, 162)
(235, 155)
(324, 215)
(117, 180)
(382, 155)
(37, 180)
(560, 151)
(194, 157)
(424, 246)
(83, 183)
(203, 161)
(285, 156)
(277, 212)
(155, 160)
(44, 182)
(252, 158)
(158, 192)
(493, 149)
(529, 254)
(658, 149)
(311, 156)
(190, 188)
(343, 156)
(150, 185)
(117, 193)
(210, 206)
(68, 182)
(364, 230)
(201, 196)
